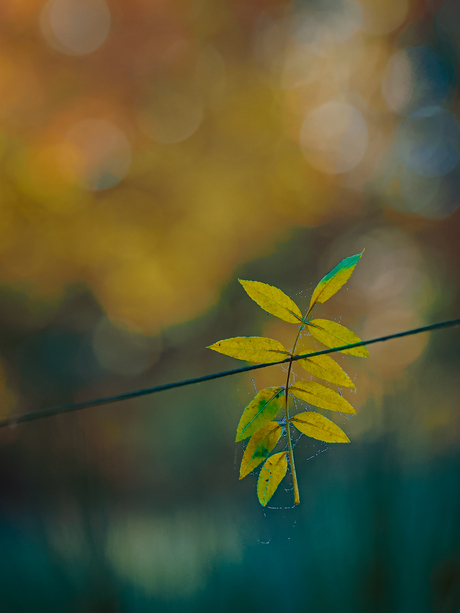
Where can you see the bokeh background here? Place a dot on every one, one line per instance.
(152, 152)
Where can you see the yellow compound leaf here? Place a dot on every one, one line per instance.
(319, 427)
(259, 447)
(334, 280)
(259, 412)
(271, 475)
(252, 349)
(320, 396)
(332, 334)
(273, 300)
(324, 367)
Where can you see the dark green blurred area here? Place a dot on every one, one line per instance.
(151, 154)
(137, 506)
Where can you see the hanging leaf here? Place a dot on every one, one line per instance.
(319, 427)
(271, 475)
(332, 334)
(324, 367)
(259, 412)
(252, 349)
(259, 447)
(258, 420)
(320, 396)
(273, 300)
(333, 281)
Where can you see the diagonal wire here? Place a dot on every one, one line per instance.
(77, 406)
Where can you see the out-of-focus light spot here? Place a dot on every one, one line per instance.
(323, 23)
(382, 17)
(416, 77)
(172, 114)
(99, 153)
(171, 555)
(300, 67)
(429, 142)
(387, 360)
(75, 27)
(150, 292)
(120, 351)
(430, 197)
(334, 137)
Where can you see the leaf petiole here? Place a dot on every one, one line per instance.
(288, 423)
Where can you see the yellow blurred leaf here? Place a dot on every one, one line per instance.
(319, 427)
(320, 396)
(252, 349)
(271, 475)
(334, 280)
(332, 334)
(259, 447)
(324, 367)
(259, 412)
(273, 300)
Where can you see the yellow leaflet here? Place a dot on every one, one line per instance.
(334, 280)
(273, 300)
(317, 426)
(252, 349)
(320, 396)
(259, 447)
(259, 412)
(270, 477)
(324, 367)
(333, 334)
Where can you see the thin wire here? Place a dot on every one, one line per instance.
(77, 406)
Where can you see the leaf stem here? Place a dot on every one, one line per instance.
(288, 424)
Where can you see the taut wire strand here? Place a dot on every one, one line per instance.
(77, 406)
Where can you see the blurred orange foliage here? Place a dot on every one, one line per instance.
(148, 148)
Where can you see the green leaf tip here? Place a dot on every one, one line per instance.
(334, 280)
(258, 422)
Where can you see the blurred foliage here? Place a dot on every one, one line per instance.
(151, 152)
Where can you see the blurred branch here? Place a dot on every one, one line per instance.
(77, 406)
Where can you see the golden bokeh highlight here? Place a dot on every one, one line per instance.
(334, 137)
(137, 138)
(75, 27)
(382, 18)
